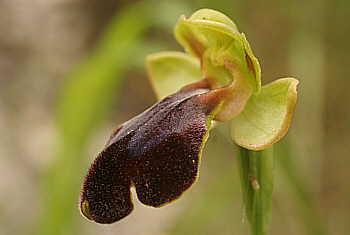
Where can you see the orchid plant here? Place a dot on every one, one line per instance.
(158, 151)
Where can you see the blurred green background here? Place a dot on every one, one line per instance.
(71, 71)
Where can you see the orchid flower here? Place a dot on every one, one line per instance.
(158, 152)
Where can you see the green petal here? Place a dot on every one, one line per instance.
(204, 29)
(266, 116)
(169, 71)
(253, 63)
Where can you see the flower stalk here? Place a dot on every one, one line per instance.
(258, 180)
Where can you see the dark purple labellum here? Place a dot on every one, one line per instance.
(157, 151)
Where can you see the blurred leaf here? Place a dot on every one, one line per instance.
(82, 105)
(299, 184)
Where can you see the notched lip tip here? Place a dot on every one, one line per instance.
(84, 209)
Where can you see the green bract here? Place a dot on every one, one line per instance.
(219, 53)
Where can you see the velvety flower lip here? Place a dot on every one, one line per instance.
(157, 151)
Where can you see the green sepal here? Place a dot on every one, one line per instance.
(227, 61)
(169, 71)
(266, 116)
(212, 36)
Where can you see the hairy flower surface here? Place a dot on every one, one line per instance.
(158, 152)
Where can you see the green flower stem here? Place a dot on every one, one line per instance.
(258, 180)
